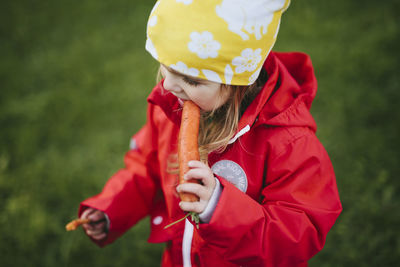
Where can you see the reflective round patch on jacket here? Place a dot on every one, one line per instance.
(232, 172)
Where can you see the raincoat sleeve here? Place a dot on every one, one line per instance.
(128, 195)
(300, 204)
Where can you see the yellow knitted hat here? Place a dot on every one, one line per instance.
(224, 41)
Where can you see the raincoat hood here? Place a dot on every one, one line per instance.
(287, 96)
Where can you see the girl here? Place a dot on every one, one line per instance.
(268, 193)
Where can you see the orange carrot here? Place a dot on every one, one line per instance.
(76, 223)
(188, 145)
(188, 149)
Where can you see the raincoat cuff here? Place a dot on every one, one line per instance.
(205, 216)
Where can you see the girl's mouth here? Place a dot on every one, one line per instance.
(180, 101)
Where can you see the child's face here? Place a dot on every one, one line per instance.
(206, 94)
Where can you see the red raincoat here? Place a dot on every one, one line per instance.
(279, 197)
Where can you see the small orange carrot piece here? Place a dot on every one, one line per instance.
(188, 148)
(76, 223)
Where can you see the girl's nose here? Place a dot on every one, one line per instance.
(171, 84)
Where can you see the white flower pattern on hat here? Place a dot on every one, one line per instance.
(204, 45)
(186, 2)
(254, 76)
(184, 69)
(212, 76)
(228, 74)
(248, 61)
(153, 18)
(243, 16)
(152, 21)
(150, 47)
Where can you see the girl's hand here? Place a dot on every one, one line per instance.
(97, 228)
(200, 171)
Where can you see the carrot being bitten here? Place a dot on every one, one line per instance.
(188, 145)
(188, 150)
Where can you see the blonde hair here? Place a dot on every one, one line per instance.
(217, 127)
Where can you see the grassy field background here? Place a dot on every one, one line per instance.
(74, 77)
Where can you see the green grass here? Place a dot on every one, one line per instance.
(74, 77)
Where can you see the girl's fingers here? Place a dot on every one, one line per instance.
(198, 206)
(96, 229)
(94, 232)
(94, 226)
(87, 226)
(201, 172)
(197, 164)
(99, 236)
(196, 189)
(96, 216)
(99, 226)
(92, 214)
(86, 213)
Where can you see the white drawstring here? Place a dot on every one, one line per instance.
(187, 243)
(239, 134)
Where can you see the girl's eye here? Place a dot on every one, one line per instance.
(190, 81)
